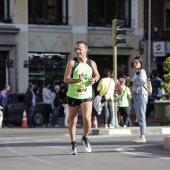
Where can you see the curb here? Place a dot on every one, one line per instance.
(130, 131)
(167, 142)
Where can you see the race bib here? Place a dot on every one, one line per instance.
(80, 89)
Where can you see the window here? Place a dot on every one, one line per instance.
(5, 11)
(48, 12)
(44, 67)
(167, 14)
(102, 12)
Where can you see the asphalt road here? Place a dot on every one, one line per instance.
(47, 149)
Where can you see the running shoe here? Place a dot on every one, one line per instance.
(85, 142)
(74, 149)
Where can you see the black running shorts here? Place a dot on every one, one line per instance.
(76, 102)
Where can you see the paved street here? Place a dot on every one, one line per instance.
(47, 149)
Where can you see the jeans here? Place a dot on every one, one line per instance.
(108, 108)
(113, 122)
(30, 113)
(140, 103)
(54, 116)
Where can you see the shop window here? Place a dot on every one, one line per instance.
(5, 11)
(102, 12)
(167, 14)
(48, 12)
(46, 68)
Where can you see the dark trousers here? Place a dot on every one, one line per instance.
(30, 113)
(5, 116)
(47, 111)
(150, 107)
(124, 112)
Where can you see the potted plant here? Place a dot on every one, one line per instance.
(162, 107)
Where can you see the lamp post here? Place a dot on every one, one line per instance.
(149, 37)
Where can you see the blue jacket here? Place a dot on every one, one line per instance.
(157, 90)
(4, 98)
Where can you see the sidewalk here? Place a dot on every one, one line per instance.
(153, 127)
(131, 130)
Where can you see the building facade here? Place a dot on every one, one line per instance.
(38, 37)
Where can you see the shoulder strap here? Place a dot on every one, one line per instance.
(89, 63)
(123, 92)
(76, 63)
(108, 87)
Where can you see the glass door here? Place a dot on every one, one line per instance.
(3, 69)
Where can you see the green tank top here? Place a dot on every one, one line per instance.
(81, 90)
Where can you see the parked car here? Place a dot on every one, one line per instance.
(15, 111)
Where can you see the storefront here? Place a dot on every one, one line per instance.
(45, 67)
(160, 50)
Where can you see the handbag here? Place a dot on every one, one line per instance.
(103, 98)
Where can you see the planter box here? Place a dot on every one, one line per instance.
(162, 111)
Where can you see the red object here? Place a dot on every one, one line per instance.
(119, 88)
(24, 120)
(136, 123)
(95, 124)
(156, 119)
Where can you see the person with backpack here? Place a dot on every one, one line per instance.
(157, 91)
(140, 93)
(81, 73)
(124, 103)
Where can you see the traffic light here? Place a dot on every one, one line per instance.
(116, 31)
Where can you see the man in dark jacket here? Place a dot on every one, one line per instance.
(29, 100)
(157, 91)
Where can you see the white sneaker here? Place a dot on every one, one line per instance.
(73, 151)
(139, 140)
(87, 147)
(56, 125)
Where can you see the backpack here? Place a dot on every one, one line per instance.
(149, 85)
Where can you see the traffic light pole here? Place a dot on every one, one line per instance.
(115, 77)
(116, 31)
